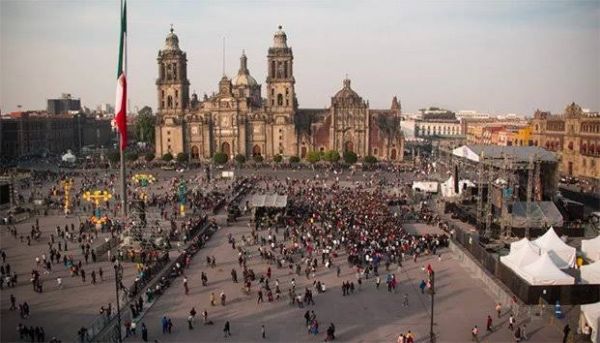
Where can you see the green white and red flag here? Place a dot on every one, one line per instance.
(120, 121)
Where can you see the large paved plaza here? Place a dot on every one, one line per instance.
(367, 315)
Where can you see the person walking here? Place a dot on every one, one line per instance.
(475, 334)
(499, 309)
(405, 303)
(263, 332)
(144, 332)
(165, 324)
(185, 285)
(511, 322)
(566, 331)
(227, 329)
(489, 324)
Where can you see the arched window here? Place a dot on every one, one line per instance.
(169, 102)
(592, 149)
(195, 152)
(375, 152)
(349, 146)
(279, 99)
(272, 68)
(583, 148)
(285, 69)
(226, 148)
(571, 146)
(256, 151)
(393, 155)
(303, 152)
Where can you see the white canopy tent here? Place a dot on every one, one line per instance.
(562, 254)
(544, 272)
(591, 248)
(519, 258)
(590, 313)
(447, 188)
(269, 200)
(425, 186)
(590, 273)
(69, 157)
(524, 242)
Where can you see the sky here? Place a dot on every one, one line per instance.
(490, 56)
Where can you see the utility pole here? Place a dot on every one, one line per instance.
(431, 333)
(480, 171)
(118, 276)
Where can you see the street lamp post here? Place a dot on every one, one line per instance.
(431, 333)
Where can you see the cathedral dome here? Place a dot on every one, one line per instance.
(243, 77)
(280, 39)
(346, 91)
(172, 41)
(244, 80)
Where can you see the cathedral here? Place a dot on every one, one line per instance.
(239, 120)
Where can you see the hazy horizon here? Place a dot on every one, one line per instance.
(498, 57)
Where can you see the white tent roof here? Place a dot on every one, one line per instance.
(69, 157)
(269, 200)
(590, 273)
(447, 187)
(591, 248)
(591, 313)
(519, 258)
(562, 254)
(524, 242)
(544, 272)
(425, 186)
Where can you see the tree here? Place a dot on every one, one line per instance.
(182, 158)
(258, 158)
(113, 156)
(132, 156)
(350, 157)
(294, 159)
(149, 156)
(239, 158)
(370, 159)
(144, 125)
(313, 156)
(168, 157)
(331, 156)
(220, 158)
(277, 158)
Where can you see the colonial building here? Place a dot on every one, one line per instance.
(574, 136)
(438, 123)
(238, 120)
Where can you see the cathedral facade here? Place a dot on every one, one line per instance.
(239, 120)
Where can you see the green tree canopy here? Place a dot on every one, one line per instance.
(113, 156)
(313, 156)
(220, 158)
(182, 158)
(294, 159)
(277, 158)
(144, 125)
(168, 157)
(331, 156)
(149, 156)
(132, 156)
(239, 158)
(370, 159)
(258, 158)
(350, 157)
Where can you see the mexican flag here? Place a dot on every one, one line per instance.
(121, 101)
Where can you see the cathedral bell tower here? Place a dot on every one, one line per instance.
(172, 88)
(172, 83)
(281, 96)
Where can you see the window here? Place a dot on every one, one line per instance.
(375, 151)
(285, 69)
(273, 91)
(272, 69)
(176, 93)
(279, 99)
(168, 132)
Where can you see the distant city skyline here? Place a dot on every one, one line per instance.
(494, 57)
